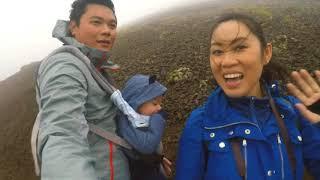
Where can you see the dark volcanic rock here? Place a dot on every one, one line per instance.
(174, 46)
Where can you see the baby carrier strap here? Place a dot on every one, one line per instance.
(109, 136)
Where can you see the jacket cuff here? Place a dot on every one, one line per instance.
(315, 108)
(317, 124)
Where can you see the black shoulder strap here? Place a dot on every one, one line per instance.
(236, 148)
(284, 134)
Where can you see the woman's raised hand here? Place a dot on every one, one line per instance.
(307, 90)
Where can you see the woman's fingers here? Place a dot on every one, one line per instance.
(310, 116)
(295, 91)
(307, 90)
(317, 73)
(302, 83)
(305, 87)
(310, 80)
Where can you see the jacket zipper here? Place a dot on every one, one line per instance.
(281, 156)
(253, 114)
(252, 110)
(244, 144)
(218, 127)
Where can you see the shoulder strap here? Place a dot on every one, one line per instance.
(236, 148)
(235, 143)
(35, 129)
(284, 134)
(109, 136)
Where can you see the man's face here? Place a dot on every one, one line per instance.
(97, 27)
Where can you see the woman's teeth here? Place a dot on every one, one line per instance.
(233, 76)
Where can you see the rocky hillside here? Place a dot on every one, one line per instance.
(174, 46)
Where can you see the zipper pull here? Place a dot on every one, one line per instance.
(279, 139)
(244, 142)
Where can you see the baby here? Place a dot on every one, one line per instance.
(144, 94)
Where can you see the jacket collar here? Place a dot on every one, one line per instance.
(97, 57)
(221, 110)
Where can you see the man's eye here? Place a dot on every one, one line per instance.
(113, 26)
(96, 22)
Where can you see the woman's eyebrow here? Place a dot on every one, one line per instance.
(234, 41)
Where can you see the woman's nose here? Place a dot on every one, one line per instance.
(229, 59)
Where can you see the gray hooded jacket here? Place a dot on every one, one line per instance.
(69, 98)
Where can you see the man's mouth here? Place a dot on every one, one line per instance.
(104, 42)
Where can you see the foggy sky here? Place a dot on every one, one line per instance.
(26, 28)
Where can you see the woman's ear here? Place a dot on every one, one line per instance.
(72, 28)
(267, 54)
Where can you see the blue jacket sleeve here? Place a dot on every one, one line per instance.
(144, 140)
(190, 163)
(311, 144)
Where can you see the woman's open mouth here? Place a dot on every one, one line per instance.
(233, 80)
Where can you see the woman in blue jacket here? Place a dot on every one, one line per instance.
(247, 129)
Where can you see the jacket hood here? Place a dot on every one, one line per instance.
(140, 89)
(62, 33)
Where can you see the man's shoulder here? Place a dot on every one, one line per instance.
(65, 60)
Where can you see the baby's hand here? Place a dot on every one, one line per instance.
(166, 163)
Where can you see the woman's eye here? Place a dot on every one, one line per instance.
(240, 48)
(217, 52)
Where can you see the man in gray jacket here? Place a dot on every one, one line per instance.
(69, 98)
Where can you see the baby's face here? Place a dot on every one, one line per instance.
(151, 107)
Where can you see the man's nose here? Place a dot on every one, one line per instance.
(106, 29)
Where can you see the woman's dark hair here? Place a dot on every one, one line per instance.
(273, 70)
(78, 8)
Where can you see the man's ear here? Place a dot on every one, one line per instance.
(72, 28)
(267, 54)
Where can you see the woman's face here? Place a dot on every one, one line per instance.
(237, 60)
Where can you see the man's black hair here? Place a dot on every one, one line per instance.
(78, 8)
